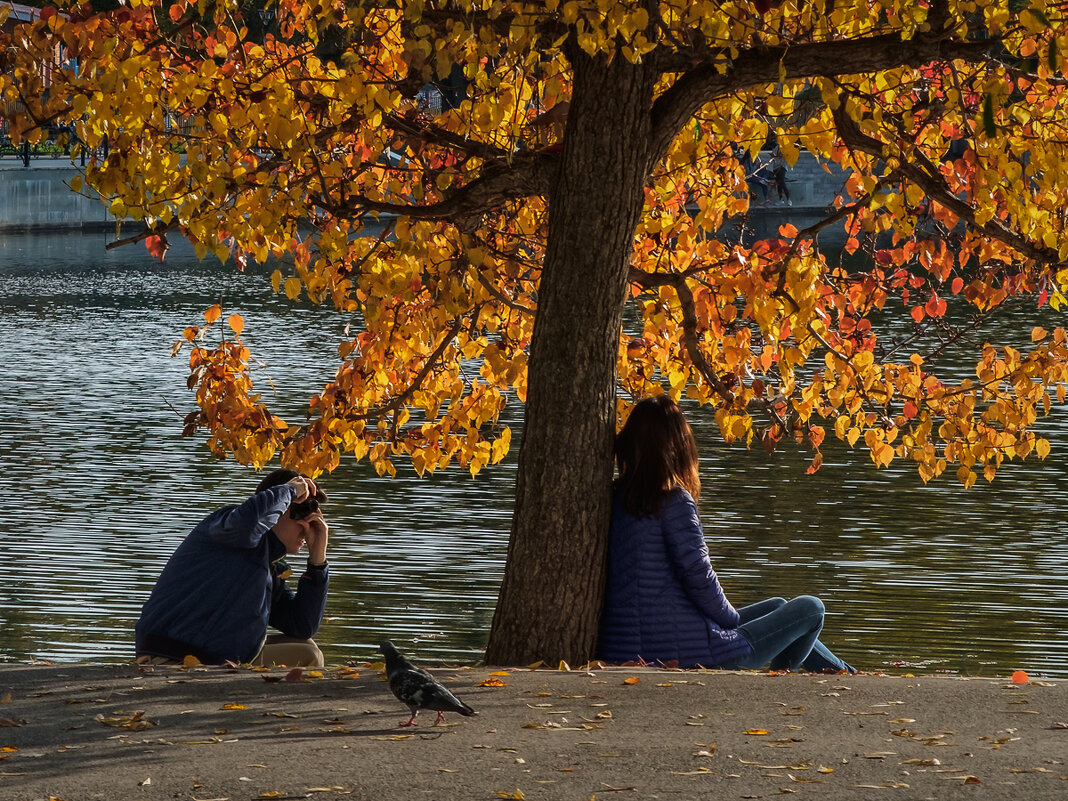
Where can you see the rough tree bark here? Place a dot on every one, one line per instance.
(551, 595)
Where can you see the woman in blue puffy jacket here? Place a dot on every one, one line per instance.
(663, 601)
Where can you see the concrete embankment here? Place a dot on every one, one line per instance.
(114, 732)
(38, 197)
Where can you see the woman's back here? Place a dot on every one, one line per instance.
(663, 601)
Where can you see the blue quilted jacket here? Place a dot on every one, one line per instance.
(663, 601)
(220, 588)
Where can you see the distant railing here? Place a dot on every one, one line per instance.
(60, 141)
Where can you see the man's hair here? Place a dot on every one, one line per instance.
(276, 477)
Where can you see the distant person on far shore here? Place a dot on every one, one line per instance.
(663, 601)
(226, 583)
(778, 175)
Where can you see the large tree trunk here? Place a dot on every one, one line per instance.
(550, 599)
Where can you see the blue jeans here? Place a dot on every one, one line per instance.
(786, 635)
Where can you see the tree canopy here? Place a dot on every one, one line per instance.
(571, 207)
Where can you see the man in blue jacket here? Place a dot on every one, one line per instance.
(225, 583)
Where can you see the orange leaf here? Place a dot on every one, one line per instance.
(757, 732)
(631, 680)
(233, 706)
(237, 323)
(910, 410)
(817, 463)
(157, 246)
(212, 314)
(935, 307)
(957, 285)
(1020, 677)
(190, 661)
(492, 682)
(917, 313)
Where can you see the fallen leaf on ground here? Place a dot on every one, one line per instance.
(1059, 725)
(517, 795)
(231, 705)
(757, 732)
(631, 680)
(798, 766)
(491, 682)
(145, 782)
(190, 661)
(1020, 677)
(500, 673)
(697, 772)
(5, 722)
(296, 674)
(133, 722)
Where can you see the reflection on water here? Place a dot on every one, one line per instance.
(97, 488)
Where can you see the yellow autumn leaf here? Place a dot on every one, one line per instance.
(212, 313)
(292, 288)
(236, 323)
(231, 705)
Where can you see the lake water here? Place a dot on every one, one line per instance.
(97, 488)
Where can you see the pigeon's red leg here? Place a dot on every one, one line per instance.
(410, 721)
(440, 718)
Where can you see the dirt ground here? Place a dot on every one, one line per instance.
(85, 732)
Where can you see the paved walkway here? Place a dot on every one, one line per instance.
(86, 732)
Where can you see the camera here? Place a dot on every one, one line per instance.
(306, 508)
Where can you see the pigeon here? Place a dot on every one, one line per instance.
(417, 689)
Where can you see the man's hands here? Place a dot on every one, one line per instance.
(316, 538)
(304, 486)
(312, 529)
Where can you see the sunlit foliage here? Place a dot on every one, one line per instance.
(289, 128)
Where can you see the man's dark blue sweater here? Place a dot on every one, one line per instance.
(219, 590)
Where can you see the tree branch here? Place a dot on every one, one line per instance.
(919, 169)
(500, 182)
(705, 82)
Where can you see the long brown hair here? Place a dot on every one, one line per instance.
(655, 452)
